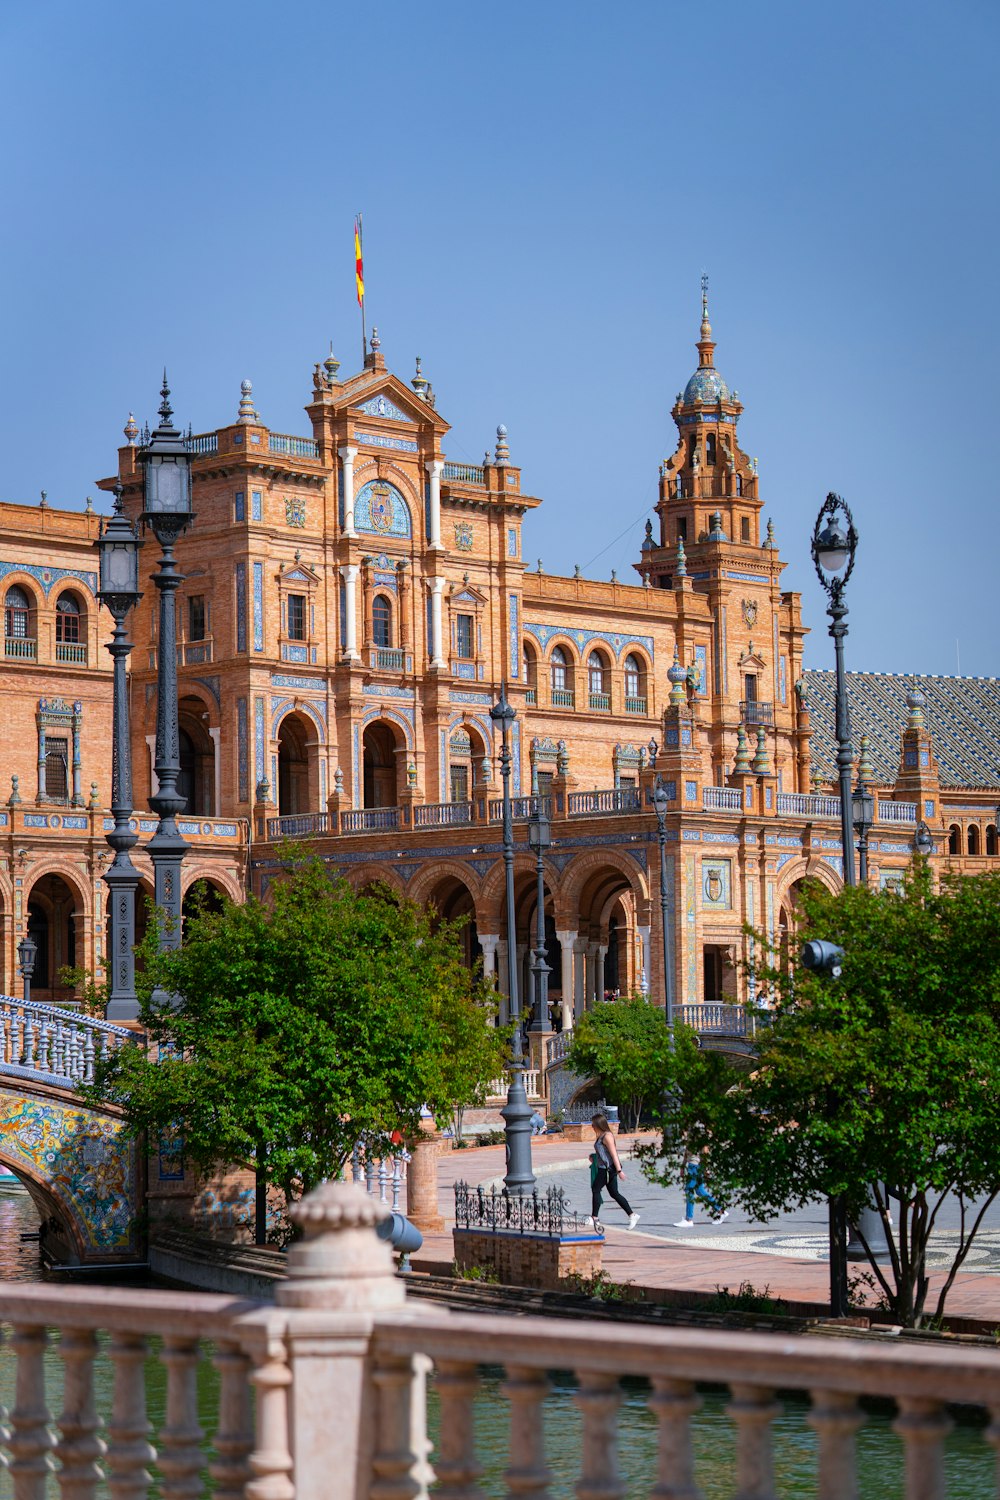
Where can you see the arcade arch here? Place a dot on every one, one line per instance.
(56, 916)
(298, 789)
(197, 781)
(382, 746)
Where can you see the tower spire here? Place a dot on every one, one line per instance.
(705, 345)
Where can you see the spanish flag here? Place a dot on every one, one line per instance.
(359, 269)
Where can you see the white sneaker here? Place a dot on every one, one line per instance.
(633, 1220)
(684, 1224)
(589, 1221)
(721, 1218)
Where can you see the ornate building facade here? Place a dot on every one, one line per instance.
(352, 602)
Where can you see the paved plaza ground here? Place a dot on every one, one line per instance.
(788, 1255)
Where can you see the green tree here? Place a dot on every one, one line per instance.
(625, 1044)
(306, 1023)
(885, 1082)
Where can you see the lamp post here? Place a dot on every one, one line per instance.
(834, 544)
(168, 512)
(862, 816)
(26, 951)
(118, 555)
(516, 1113)
(660, 804)
(923, 843)
(540, 840)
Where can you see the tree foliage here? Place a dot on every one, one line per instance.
(884, 1082)
(305, 1023)
(625, 1044)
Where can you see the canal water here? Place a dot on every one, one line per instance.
(969, 1460)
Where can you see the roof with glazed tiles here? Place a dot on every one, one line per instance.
(962, 715)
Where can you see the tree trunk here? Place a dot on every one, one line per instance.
(260, 1202)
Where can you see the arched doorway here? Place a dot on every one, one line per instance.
(197, 758)
(54, 909)
(293, 766)
(452, 900)
(381, 782)
(202, 896)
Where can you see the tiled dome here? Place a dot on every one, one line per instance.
(706, 385)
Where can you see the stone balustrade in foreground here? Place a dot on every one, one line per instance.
(337, 1371)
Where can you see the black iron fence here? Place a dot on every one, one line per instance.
(501, 1212)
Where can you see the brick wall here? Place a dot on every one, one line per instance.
(528, 1260)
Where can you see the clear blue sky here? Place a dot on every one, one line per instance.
(542, 186)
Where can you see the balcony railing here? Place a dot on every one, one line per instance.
(635, 706)
(465, 473)
(292, 447)
(600, 702)
(722, 799)
(754, 711)
(723, 1020)
(370, 820)
(20, 647)
(298, 825)
(896, 812)
(521, 807)
(498, 1088)
(617, 799)
(195, 652)
(531, 695)
(557, 1047)
(808, 805)
(388, 659)
(71, 651)
(204, 442)
(563, 697)
(442, 814)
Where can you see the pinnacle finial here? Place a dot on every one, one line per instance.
(866, 771)
(419, 381)
(502, 453)
(119, 494)
(130, 430)
(166, 410)
(706, 327)
(376, 342)
(247, 413)
(331, 365)
(770, 534)
(761, 763)
(682, 571)
(742, 766)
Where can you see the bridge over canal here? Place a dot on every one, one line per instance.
(82, 1169)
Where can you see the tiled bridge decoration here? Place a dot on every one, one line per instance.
(77, 1160)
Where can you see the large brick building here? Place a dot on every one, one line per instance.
(352, 602)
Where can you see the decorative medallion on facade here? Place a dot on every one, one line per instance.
(295, 510)
(380, 510)
(463, 536)
(382, 406)
(716, 878)
(749, 612)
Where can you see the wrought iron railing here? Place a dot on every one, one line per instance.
(298, 825)
(292, 447)
(440, 814)
(721, 799)
(754, 711)
(53, 1043)
(370, 820)
(617, 799)
(544, 1214)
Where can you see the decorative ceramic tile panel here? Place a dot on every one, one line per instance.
(380, 510)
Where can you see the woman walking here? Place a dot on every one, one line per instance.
(694, 1187)
(606, 1168)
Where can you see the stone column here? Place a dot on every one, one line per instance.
(580, 976)
(644, 939)
(435, 468)
(488, 942)
(422, 1180)
(593, 986)
(347, 457)
(502, 981)
(349, 573)
(602, 953)
(567, 942)
(437, 589)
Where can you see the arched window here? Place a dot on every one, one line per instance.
(382, 621)
(17, 614)
(991, 839)
(597, 675)
(739, 484)
(67, 620)
(530, 670)
(710, 448)
(558, 665)
(973, 839)
(954, 839)
(635, 686)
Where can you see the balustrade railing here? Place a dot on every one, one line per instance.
(442, 814)
(298, 825)
(370, 820)
(557, 1047)
(521, 807)
(722, 799)
(339, 1365)
(51, 1042)
(616, 799)
(896, 812)
(531, 695)
(563, 697)
(382, 1177)
(635, 705)
(292, 447)
(600, 702)
(388, 659)
(464, 473)
(723, 1019)
(71, 651)
(20, 647)
(808, 805)
(498, 1088)
(203, 442)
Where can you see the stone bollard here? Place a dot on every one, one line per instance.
(316, 1398)
(422, 1180)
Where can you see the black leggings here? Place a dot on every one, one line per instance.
(605, 1179)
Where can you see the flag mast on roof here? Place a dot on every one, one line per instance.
(359, 277)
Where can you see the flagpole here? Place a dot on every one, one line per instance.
(364, 339)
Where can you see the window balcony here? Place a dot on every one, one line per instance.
(601, 702)
(387, 659)
(72, 651)
(635, 706)
(531, 695)
(754, 711)
(563, 697)
(20, 648)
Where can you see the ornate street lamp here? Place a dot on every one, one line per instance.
(862, 816)
(167, 511)
(520, 1179)
(26, 953)
(833, 547)
(660, 804)
(540, 840)
(923, 842)
(118, 555)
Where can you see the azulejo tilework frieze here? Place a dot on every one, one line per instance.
(584, 638)
(381, 440)
(383, 406)
(85, 1160)
(49, 577)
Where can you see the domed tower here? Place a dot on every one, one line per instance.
(708, 488)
